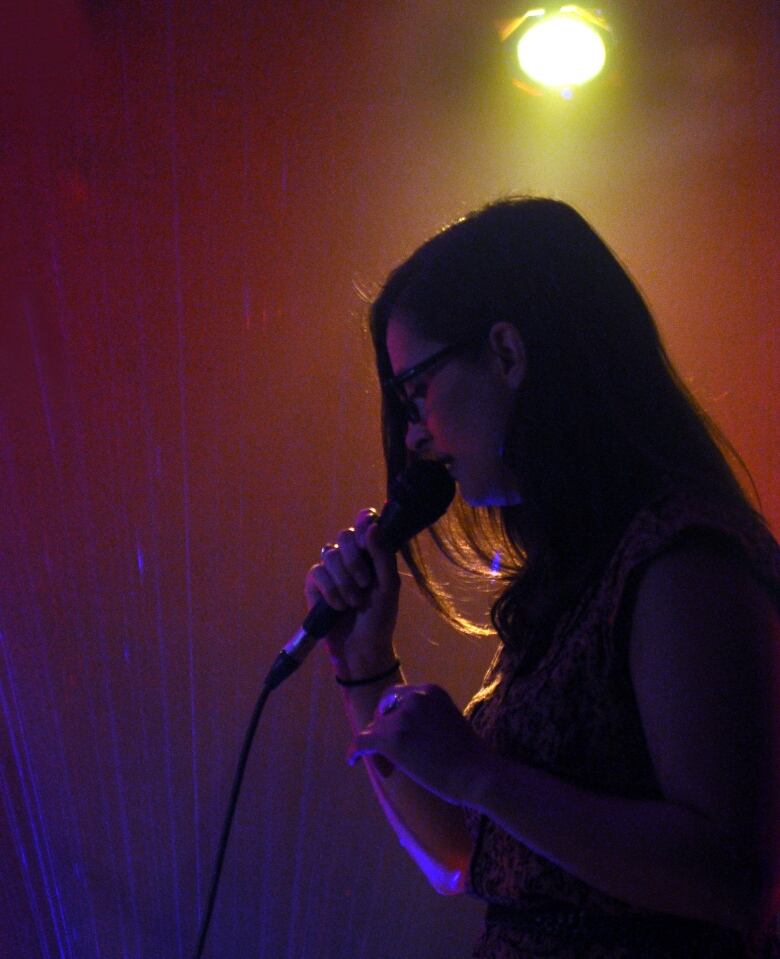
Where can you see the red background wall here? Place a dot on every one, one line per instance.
(193, 194)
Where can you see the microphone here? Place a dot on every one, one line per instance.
(418, 498)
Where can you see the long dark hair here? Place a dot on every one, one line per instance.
(603, 423)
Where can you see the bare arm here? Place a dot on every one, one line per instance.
(704, 656)
(431, 830)
(703, 643)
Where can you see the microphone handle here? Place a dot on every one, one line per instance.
(321, 618)
(393, 521)
(319, 621)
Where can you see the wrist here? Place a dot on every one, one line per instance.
(358, 667)
(385, 675)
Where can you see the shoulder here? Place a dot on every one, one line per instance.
(701, 589)
(704, 638)
(690, 534)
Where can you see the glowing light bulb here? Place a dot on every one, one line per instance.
(561, 51)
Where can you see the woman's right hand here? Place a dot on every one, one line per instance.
(358, 575)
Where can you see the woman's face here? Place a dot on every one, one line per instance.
(464, 405)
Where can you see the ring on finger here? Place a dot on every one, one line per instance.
(327, 548)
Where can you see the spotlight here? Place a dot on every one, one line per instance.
(557, 50)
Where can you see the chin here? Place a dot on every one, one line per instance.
(487, 487)
(491, 498)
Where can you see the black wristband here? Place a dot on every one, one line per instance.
(370, 679)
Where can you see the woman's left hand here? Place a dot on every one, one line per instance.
(420, 730)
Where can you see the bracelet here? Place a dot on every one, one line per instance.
(370, 679)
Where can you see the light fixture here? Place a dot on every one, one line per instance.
(556, 50)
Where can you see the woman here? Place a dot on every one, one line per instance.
(611, 791)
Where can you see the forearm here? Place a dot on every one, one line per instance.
(653, 854)
(431, 830)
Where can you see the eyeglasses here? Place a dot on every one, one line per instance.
(395, 384)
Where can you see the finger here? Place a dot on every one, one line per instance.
(310, 590)
(355, 560)
(391, 699)
(363, 521)
(317, 586)
(364, 744)
(342, 579)
(319, 582)
(385, 565)
(379, 762)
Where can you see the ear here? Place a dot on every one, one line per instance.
(508, 347)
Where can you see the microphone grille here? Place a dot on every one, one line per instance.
(418, 497)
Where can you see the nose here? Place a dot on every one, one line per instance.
(418, 439)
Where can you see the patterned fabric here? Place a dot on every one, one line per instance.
(575, 716)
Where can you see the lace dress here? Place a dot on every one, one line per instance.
(575, 716)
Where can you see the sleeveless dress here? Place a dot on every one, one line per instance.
(575, 716)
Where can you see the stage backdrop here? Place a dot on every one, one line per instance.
(196, 198)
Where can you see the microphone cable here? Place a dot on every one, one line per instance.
(237, 780)
(418, 498)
